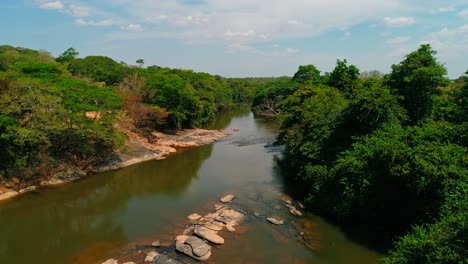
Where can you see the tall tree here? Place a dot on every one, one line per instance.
(140, 62)
(67, 55)
(416, 79)
(307, 74)
(344, 77)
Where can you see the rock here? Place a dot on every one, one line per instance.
(8, 195)
(301, 205)
(131, 262)
(194, 217)
(213, 227)
(257, 214)
(156, 244)
(93, 115)
(28, 189)
(295, 212)
(188, 230)
(187, 249)
(110, 261)
(150, 256)
(208, 234)
(230, 216)
(228, 198)
(230, 228)
(275, 221)
(277, 206)
(219, 206)
(199, 247)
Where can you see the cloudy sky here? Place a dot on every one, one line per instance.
(243, 37)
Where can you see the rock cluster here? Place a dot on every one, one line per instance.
(194, 241)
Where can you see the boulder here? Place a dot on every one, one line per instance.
(230, 228)
(199, 247)
(208, 234)
(8, 195)
(187, 249)
(275, 221)
(228, 198)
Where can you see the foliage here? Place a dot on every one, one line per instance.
(389, 153)
(344, 77)
(416, 79)
(67, 56)
(98, 69)
(307, 74)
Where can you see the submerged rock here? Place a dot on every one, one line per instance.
(275, 221)
(194, 217)
(228, 198)
(163, 259)
(208, 234)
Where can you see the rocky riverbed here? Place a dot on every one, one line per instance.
(204, 233)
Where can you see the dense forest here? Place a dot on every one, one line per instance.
(387, 151)
(63, 111)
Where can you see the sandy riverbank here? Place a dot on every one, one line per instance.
(139, 150)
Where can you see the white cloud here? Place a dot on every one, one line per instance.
(463, 14)
(399, 21)
(51, 5)
(236, 21)
(446, 9)
(398, 40)
(80, 11)
(101, 23)
(294, 22)
(132, 27)
(292, 50)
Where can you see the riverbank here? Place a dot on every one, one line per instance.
(139, 149)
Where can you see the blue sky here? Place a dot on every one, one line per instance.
(243, 37)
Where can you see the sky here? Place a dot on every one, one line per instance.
(243, 38)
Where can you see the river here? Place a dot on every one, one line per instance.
(104, 215)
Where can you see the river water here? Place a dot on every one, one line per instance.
(104, 215)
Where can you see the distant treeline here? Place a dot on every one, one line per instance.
(387, 151)
(59, 111)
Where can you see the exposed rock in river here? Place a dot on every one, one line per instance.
(150, 256)
(110, 261)
(228, 198)
(208, 234)
(275, 221)
(187, 249)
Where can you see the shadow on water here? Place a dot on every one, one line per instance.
(298, 190)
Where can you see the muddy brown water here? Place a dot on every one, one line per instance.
(99, 217)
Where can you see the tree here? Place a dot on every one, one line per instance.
(307, 74)
(416, 79)
(140, 62)
(67, 55)
(343, 77)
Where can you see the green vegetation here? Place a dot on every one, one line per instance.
(390, 153)
(62, 112)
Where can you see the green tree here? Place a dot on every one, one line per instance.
(307, 74)
(416, 79)
(140, 62)
(67, 56)
(344, 77)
